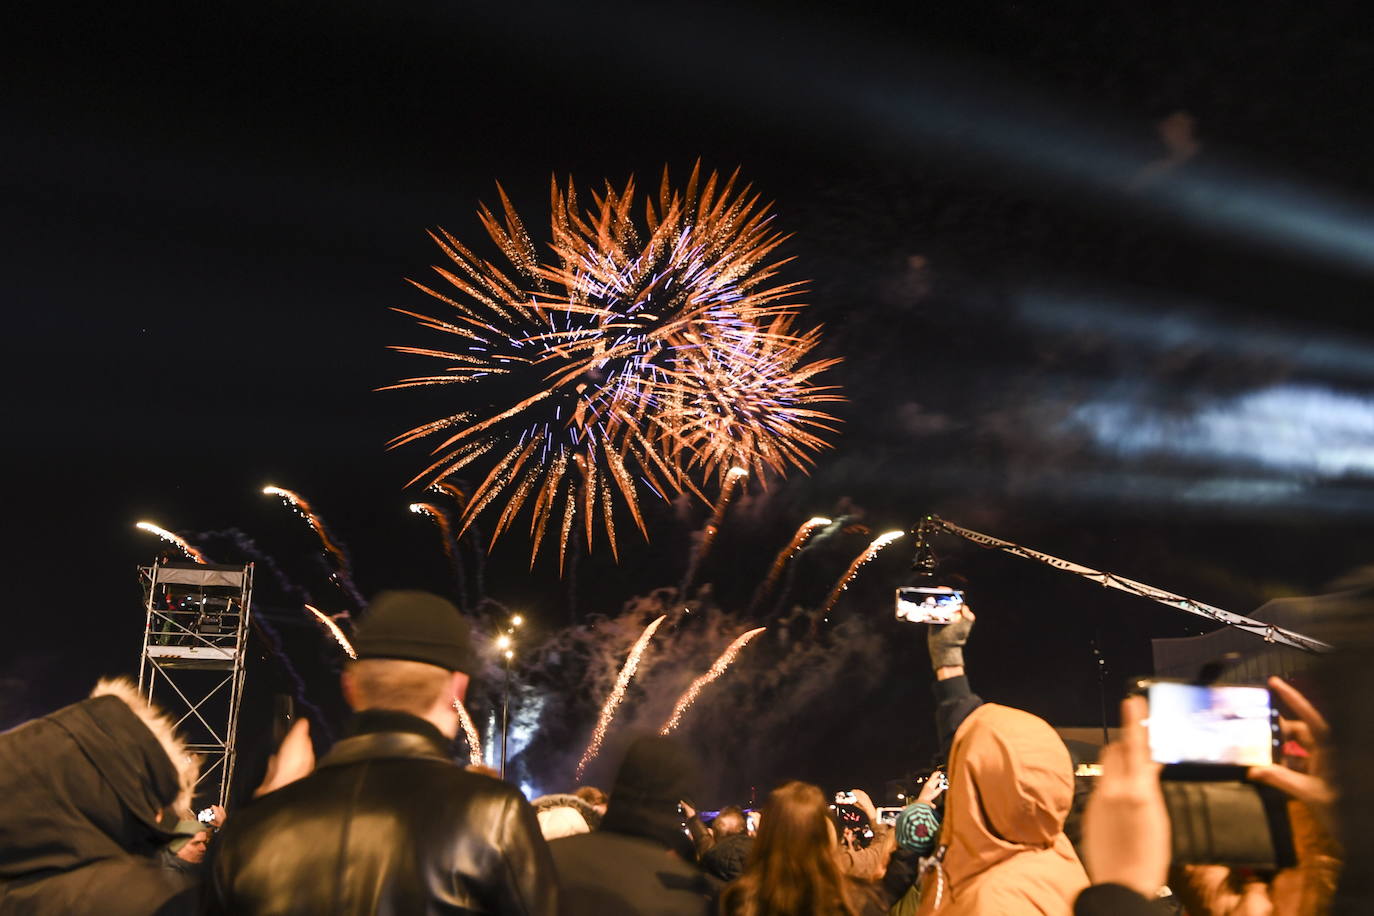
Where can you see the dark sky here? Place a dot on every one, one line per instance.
(1101, 281)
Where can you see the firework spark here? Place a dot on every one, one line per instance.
(708, 534)
(333, 629)
(598, 374)
(343, 573)
(803, 533)
(868, 553)
(174, 539)
(689, 696)
(441, 521)
(622, 681)
(469, 730)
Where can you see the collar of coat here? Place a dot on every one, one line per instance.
(377, 733)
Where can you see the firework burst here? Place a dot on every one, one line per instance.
(593, 374)
(622, 681)
(717, 668)
(748, 401)
(333, 629)
(174, 539)
(867, 554)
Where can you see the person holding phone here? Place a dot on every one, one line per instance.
(918, 824)
(1001, 847)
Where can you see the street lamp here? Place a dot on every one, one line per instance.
(506, 643)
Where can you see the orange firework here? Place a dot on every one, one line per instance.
(333, 629)
(298, 502)
(622, 681)
(747, 401)
(440, 518)
(470, 731)
(459, 495)
(171, 538)
(868, 553)
(803, 533)
(689, 696)
(708, 535)
(649, 354)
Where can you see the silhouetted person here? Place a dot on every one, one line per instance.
(387, 822)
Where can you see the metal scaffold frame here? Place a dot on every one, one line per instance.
(192, 665)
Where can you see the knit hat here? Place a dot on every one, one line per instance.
(657, 773)
(418, 627)
(185, 832)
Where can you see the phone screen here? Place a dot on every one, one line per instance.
(1218, 724)
(919, 604)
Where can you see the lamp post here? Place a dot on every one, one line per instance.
(506, 642)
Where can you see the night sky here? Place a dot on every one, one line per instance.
(1101, 280)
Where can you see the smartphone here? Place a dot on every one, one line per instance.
(928, 604)
(752, 821)
(844, 798)
(888, 815)
(1211, 725)
(206, 815)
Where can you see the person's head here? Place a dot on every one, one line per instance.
(729, 822)
(193, 849)
(592, 796)
(792, 867)
(656, 776)
(414, 655)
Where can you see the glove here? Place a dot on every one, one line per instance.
(946, 641)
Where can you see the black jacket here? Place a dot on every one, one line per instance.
(726, 859)
(80, 791)
(614, 874)
(387, 823)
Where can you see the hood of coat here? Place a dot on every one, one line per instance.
(84, 783)
(1011, 787)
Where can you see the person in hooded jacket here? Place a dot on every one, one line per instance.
(640, 860)
(1002, 847)
(84, 790)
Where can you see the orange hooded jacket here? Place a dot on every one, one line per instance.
(1011, 785)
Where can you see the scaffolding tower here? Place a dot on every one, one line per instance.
(194, 650)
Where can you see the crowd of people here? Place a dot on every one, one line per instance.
(95, 815)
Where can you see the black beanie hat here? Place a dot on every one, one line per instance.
(656, 774)
(416, 627)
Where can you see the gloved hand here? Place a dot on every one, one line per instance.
(946, 641)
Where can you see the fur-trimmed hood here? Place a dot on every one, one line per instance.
(160, 724)
(87, 784)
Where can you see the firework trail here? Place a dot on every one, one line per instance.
(470, 730)
(708, 534)
(603, 368)
(343, 574)
(688, 697)
(479, 559)
(171, 538)
(868, 553)
(333, 629)
(441, 520)
(807, 528)
(622, 681)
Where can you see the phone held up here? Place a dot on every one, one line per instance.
(1210, 730)
(1207, 735)
(937, 604)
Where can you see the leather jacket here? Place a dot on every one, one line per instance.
(387, 823)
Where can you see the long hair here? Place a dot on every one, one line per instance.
(792, 868)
